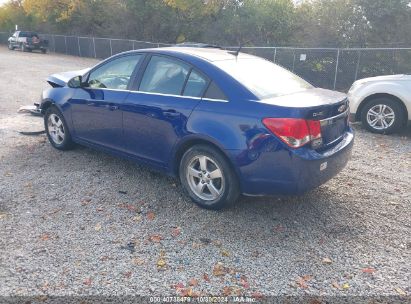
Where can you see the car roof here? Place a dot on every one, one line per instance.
(209, 54)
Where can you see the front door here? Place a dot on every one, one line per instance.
(96, 108)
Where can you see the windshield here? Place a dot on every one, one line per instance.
(263, 78)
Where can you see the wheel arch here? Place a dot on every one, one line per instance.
(381, 95)
(191, 141)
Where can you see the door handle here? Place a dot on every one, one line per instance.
(171, 113)
(111, 107)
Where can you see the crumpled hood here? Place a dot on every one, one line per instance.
(61, 79)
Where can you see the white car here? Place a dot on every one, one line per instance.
(382, 104)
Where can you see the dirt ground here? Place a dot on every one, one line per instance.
(83, 222)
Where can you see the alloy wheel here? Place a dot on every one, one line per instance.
(56, 129)
(380, 117)
(205, 178)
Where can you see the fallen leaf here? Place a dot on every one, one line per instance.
(196, 245)
(137, 218)
(179, 286)
(128, 274)
(98, 227)
(161, 263)
(3, 215)
(45, 237)
(206, 277)
(129, 207)
(279, 228)
(346, 286)
(327, 261)
(220, 270)
(257, 295)
(244, 283)
(400, 291)
(87, 282)
(186, 292)
(302, 281)
(175, 231)
(137, 261)
(336, 285)
(368, 270)
(193, 282)
(86, 201)
(151, 216)
(227, 291)
(225, 253)
(156, 238)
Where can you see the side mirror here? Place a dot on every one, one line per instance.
(76, 82)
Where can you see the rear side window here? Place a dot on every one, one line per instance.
(165, 76)
(196, 84)
(214, 92)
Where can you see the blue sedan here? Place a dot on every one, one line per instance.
(226, 123)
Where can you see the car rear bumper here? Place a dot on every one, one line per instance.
(281, 171)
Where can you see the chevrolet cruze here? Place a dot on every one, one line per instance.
(226, 123)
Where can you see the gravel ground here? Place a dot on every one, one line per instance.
(85, 223)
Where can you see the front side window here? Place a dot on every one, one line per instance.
(114, 74)
(264, 78)
(165, 76)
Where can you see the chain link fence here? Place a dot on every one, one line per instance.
(89, 46)
(330, 68)
(334, 68)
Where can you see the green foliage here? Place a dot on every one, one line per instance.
(333, 23)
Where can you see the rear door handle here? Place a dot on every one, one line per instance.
(112, 107)
(171, 113)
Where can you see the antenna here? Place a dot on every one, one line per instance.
(237, 52)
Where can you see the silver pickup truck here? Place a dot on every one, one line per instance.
(27, 41)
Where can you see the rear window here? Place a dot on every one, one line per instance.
(262, 77)
(26, 34)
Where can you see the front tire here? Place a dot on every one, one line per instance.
(208, 178)
(57, 130)
(382, 115)
(10, 46)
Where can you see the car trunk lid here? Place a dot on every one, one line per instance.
(328, 107)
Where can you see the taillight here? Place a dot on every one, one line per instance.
(294, 132)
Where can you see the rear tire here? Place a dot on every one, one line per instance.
(382, 115)
(208, 178)
(44, 51)
(57, 130)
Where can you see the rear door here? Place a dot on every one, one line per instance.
(96, 109)
(155, 116)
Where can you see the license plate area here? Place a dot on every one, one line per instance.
(333, 129)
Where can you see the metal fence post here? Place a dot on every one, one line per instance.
(275, 54)
(358, 65)
(94, 47)
(336, 68)
(65, 43)
(293, 60)
(111, 49)
(54, 43)
(134, 45)
(79, 49)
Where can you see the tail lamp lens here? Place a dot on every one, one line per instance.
(294, 132)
